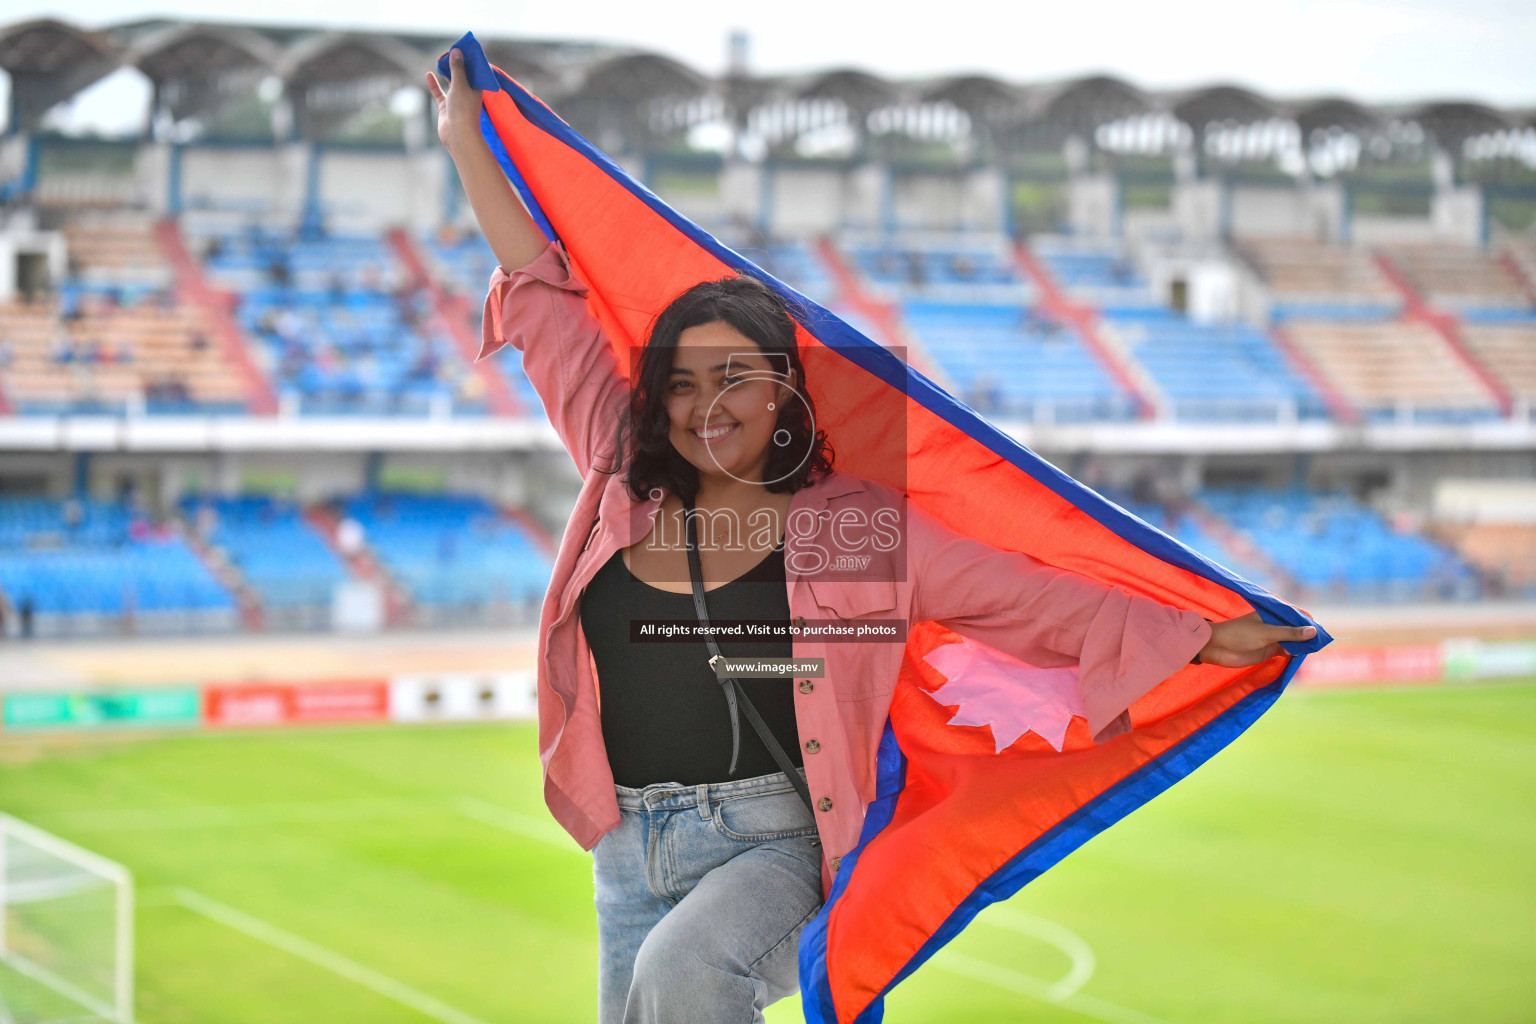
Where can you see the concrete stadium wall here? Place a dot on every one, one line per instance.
(264, 179)
(809, 201)
(1288, 212)
(363, 191)
(928, 200)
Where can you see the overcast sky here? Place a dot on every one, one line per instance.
(1383, 50)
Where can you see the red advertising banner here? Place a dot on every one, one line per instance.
(235, 705)
(1341, 666)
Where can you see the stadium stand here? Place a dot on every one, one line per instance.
(1505, 552)
(271, 546)
(1519, 254)
(1216, 372)
(1181, 520)
(1341, 550)
(962, 301)
(464, 263)
(73, 566)
(1315, 280)
(1096, 274)
(793, 262)
(1062, 328)
(1394, 369)
(1471, 281)
(1509, 352)
(953, 268)
(455, 553)
(340, 329)
(1012, 360)
(112, 336)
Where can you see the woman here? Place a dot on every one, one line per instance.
(707, 863)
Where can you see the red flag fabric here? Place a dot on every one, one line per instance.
(977, 791)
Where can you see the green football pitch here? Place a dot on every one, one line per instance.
(1358, 855)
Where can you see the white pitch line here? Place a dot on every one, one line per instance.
(525, 825)
(38, 973)
(241, 815)
(1016, 981)
(1063, 938)
(1064, 992)
(382, 984)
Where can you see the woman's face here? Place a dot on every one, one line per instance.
(723, 398)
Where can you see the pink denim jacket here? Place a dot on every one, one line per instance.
(1123, 644)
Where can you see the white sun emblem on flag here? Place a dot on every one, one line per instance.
(1013, 697)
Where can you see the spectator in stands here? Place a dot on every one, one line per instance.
(405, 304)
(288, 325)
(278, 270)
(961, 266)
(7, 351)
(198, 343)
(214, 249)
(336, 285)
(206, 522)
(70, 308)
(986, 393)
(425, 367)
(470, 388)
(61, 349)
(917, 274)
(1038, 321)
(26, 613)
(349, 537)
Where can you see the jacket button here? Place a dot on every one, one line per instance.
(799, 621)
(824, 804)
(837, 862)
(806, 686)
(811, 746)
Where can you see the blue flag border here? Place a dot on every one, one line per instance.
(1096, 815)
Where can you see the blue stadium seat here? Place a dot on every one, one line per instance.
(278, 553)
(1217, 373)
(1334, 545)
(1008, 360)
(339, 333)
(452, 549)
(105, 564)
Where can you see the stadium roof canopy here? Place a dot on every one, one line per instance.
(631, 100)
(49, 61)
(1331, 112)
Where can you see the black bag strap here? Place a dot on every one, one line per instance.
(734, 693)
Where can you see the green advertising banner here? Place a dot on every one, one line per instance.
(101, 709)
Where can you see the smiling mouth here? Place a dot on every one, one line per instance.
(715, 434)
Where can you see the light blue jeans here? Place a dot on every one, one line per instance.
(702, 892)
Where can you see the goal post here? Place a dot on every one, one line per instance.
(66, 928)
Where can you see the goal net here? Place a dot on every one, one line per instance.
(66, 931)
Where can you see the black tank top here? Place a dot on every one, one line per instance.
(664, 714)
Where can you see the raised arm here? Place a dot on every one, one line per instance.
(537, 306)
(513, 236)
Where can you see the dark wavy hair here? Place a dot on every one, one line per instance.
(755, 310)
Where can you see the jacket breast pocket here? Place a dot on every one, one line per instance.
(854, 599)
(857, 671)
